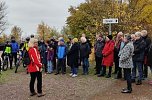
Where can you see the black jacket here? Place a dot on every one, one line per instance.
(84, 50)
(149, 56)
(73, 55)
(98, 47)
(139, 50)
(148, 42)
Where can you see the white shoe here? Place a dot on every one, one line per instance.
(71, 74)
(74, 75)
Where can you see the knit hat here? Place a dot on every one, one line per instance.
(110, 37)
(61, 40)
(75, 40)
(128, 37)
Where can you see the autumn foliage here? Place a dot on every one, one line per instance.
(133, 15)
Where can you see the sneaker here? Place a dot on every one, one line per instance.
(40, 94)
(74, 75)
(126, 91)
(71, 74)
(123, 89)
(32, 94)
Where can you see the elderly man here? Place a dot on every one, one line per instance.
(138, 58)
(148, 42)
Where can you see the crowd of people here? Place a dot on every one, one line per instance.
(127, 52)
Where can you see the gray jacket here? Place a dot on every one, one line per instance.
(125, 60)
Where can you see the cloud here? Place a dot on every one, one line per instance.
(27, 14)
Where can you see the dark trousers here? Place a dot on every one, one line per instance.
(85, 62)
(104, 70)
(116, 66)
(14, 57)
(127, 72)
(54, 63)
(35, 75)
(119, 73)
(45, 67)
(138, 65)
(118, 70)
(0, 65)
(98, 64)
(61, 65)
(145, 71)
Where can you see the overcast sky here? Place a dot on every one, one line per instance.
(27, 14)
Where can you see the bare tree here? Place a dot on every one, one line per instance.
(3, 22)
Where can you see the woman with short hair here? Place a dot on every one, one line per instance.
(35, 67)
(125, 61)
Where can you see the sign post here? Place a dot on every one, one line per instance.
(110, 21)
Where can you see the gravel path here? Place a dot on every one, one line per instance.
(60, 87)
(63, 87)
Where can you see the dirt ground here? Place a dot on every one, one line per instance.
(63, 87)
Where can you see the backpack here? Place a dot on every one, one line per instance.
(26, 58)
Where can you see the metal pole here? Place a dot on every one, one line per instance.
(43, 33)
(109, 28)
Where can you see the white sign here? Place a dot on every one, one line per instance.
(110, 21)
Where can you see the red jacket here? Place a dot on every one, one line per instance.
(108, 53)
(35, 64)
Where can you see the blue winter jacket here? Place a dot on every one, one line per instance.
(15, 47)
(61, 51)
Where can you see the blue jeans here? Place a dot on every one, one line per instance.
(138, 65)
(50, 66)
(85, 62)
(74, 70)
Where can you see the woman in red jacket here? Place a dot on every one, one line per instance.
(35, 67)
(108, 56)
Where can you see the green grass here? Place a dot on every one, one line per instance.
(4, 76)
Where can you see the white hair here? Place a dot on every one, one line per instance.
(83, 39)
(120, 33)
(138, 34)
(144, 33)
(83, 35)
(32, 41)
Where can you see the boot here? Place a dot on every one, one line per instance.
(139, 82)
(103, 73)
(133, 81)
(109, 74)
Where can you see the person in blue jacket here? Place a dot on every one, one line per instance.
(61, 57)
(15, 49)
